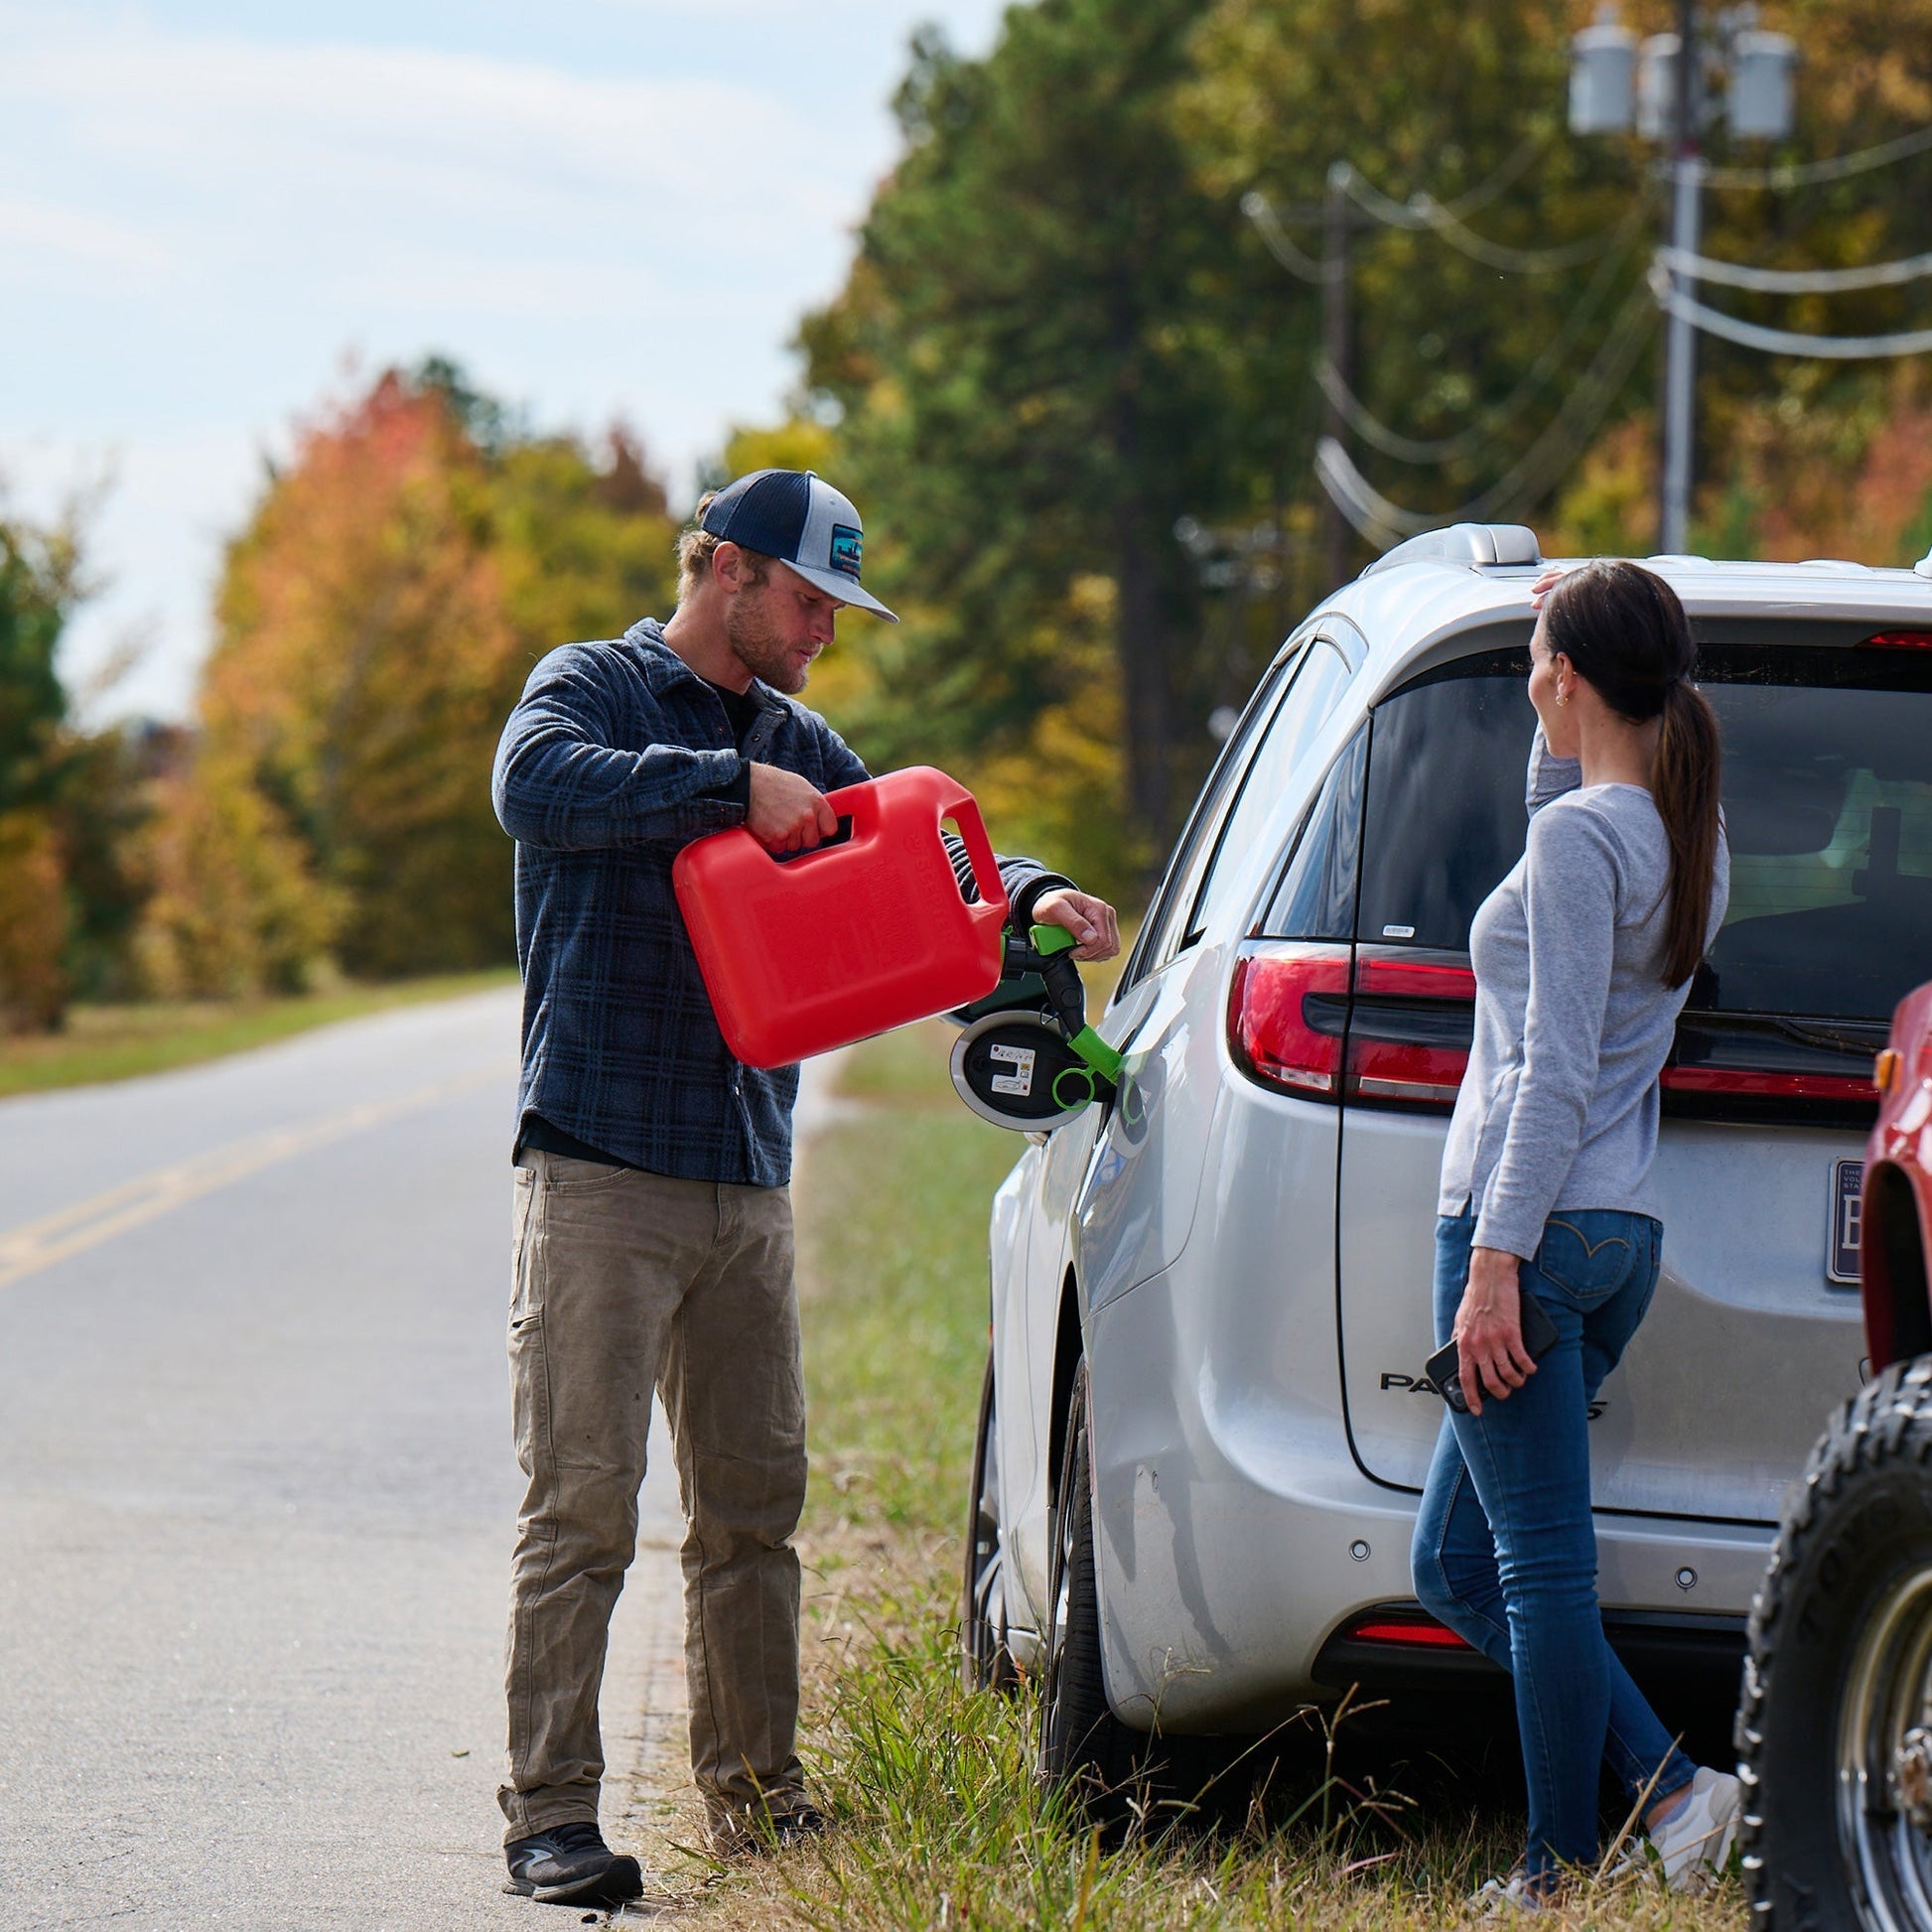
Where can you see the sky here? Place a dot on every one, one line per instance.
(214, 214)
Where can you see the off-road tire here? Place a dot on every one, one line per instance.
(984, 1661)
(1083, 1746)
(1840, 1657)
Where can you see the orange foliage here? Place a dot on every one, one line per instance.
(1874, 512)
(363, 663)
(376, 623)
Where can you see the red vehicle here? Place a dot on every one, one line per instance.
(1835, 1730)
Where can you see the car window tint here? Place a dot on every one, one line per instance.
(1161, 928)
(1311, 698)
(1828, 807)
(1445, 817)
(1316, 898)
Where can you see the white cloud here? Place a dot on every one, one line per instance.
(355, 160)
(42, 228)
(601, 207)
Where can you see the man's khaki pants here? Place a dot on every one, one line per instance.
(626, 1282)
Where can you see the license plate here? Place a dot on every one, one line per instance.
(1841, 1239)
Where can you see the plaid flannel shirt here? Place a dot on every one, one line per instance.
(617, 755)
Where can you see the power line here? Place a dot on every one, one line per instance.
(1795, 281)
(1508, 173)
(1802, 173)
(1447, 449)
(1528, 261)
(1500, 182)
(1785, 341)
(1423, 211)
(1309, 268)
(1378, 518)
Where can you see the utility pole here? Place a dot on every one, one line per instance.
(1658, 91)
(1336, 346)
(1686, 233)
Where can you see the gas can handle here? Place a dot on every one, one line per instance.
(964, 809)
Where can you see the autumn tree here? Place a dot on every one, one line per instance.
(375, 622)
(40, 581)
(1515, 338)
(1037, 362)
(1063, 336)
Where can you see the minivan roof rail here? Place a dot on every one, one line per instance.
(1466, 543)
(1924, 565)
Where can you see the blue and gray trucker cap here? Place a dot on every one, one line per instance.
(800, 519)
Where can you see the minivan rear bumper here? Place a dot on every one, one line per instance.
(1653, 1644)
(1236, 1536)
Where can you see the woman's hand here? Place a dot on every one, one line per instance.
(1488, 1329)
(1543, 585)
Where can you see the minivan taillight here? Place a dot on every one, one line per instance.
(1718, 1084)
(1754, 1084)
(1409, 1035)
(1413, 1629)
(1773, 1068)
(1393, 1030)
(1287, 1011)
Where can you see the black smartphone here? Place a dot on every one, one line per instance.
(1443, 1368)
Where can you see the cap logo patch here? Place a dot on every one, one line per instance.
(846, 546)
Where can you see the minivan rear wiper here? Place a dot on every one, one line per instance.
(1826, 1036)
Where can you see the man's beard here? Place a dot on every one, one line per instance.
(756, 643)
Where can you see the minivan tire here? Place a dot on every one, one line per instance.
(1083, 1747)
(984, 1660)
(1835, 1684)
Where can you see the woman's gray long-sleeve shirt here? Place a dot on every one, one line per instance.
(1559, 1107)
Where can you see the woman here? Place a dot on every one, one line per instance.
(1584, 956)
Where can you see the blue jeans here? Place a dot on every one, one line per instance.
(1505, 1550)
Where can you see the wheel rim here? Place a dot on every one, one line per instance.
(1885, 1761)
(986, 1608)
(1062, 1595)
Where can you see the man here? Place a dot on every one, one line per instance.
(654, 1243)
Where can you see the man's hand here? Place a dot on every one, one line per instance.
(787, 813)
(1543, 585)
(1488, 1331)
(1090, 920)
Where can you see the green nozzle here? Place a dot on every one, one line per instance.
(1073, 1086)
(1097, 1053)
(1050, 939)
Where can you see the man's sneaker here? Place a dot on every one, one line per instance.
(570, 1864)
(738, 1834)
(1694, 1845)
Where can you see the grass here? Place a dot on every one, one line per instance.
(939, 1822)
(116, 1043)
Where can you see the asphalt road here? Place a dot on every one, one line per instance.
(256, 1494)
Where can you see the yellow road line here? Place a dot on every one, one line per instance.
(35, 1245)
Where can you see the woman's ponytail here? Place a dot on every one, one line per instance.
(1624, 629)
(1685, 781)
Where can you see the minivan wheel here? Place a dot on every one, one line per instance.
(1083, 1746)
(985, 1662)
(1835, 1730)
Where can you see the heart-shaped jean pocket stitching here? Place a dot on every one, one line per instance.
(1568, 1257)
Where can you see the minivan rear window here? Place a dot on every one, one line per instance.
(1828, 803)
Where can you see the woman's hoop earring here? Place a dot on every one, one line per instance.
(1563, 697)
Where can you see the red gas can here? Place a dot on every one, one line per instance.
(813, 951)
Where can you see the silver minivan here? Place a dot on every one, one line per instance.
(1206, 1419)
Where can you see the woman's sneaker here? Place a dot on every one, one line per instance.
(1500, 1898)
(1692, 1847)
(570, 1864)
